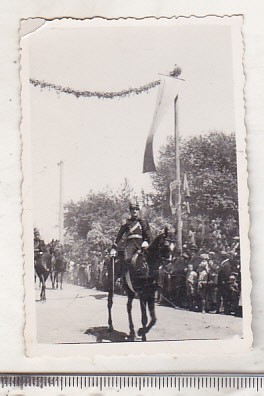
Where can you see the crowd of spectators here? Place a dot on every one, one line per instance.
(201, 280)
(206, 277)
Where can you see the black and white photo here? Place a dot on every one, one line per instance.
(135, 187)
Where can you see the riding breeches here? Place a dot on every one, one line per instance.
(132, 246)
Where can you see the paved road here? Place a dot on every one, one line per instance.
(79, 315)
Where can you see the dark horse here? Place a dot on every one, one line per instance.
(41, 271)
(48, 261)
(141, 279)
(59, 268)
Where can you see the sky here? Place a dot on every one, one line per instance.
(102, 141)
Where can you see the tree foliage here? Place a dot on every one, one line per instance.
(96, 218)
(209, 161)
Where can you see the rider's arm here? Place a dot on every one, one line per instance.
(146, 233)
(121, 232)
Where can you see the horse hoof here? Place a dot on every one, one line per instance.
(141, 333)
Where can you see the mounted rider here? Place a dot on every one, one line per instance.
(136, 234)
(39, 248)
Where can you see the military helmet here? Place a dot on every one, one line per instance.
(133, 206)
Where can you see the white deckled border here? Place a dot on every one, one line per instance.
(171, 348)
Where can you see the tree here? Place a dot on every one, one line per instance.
(209, 161)
(96, 238)
(96, 219)
(80, 217)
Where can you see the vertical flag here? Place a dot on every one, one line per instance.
(173, 196)
(186, 193)
(165, 98)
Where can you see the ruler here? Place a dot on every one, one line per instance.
(102, 382)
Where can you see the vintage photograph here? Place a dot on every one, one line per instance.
(135, 186)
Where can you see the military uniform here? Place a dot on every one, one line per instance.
(136, 231)
(39, 247)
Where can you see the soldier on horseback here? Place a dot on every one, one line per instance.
(142, 258)
(41, 271)
(136, 232)
(39, 247)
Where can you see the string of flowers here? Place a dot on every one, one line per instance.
(90, 94)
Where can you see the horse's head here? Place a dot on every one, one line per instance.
(164, 245)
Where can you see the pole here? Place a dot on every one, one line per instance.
(61, 203)
(113, 280)
(178, 174)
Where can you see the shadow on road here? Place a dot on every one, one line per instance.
(99, 296)
(102, 334)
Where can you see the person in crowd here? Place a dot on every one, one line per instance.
(199, 235)
(71, 271)
(202, 285)
(191, 287)
(212, 286)
(101, 271)
(203, 254)
(219, 246)
(206, 239)
(195, 258)
(216, 233)
(179, 294)
(95, 269)
(224, 273)
(191, 236)
(233, 295)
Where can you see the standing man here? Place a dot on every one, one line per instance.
(136, 232)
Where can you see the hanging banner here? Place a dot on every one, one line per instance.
(168, 90)
(174, 196)
(186, 193)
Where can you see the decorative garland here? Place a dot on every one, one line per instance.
(91, 94)
(104, 95)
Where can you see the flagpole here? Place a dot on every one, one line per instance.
(178, 174)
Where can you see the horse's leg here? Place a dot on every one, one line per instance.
(56, 279)
(151, 307)
(43, 288)
(109, 306)
(44, 277)
(52, 279)
(144, 319)
(61, 280)
(43, 291)
(129, 312)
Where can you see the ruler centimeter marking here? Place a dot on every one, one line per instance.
(118, 381)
